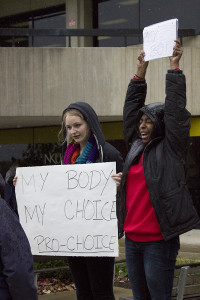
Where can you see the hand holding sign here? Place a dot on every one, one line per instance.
(158, 39)
(141, 66)
(175, 58)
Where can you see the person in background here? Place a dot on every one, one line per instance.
(16, 262)
(155, 206)
(84, 142)
(9, 194)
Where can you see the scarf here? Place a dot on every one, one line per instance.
(89, 155)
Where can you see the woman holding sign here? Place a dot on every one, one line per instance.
(156, 206)
(83, 143)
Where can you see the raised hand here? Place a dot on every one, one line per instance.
(176, 56)
(141, 65)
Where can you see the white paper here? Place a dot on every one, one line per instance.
(158, 39)
(69, 210)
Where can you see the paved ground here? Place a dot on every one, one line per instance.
(190, 245)
(190, 249)
(119, 292)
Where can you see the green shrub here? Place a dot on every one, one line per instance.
(54, 263)
(121, 270)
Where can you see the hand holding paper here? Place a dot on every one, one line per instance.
(177, 53)
(141, 65)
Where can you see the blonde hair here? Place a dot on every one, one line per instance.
(62, 135)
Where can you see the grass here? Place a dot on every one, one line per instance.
(182, 261)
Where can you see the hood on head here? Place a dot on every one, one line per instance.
(91, 118)
(155, 111)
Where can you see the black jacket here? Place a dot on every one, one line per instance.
(2, 185)
(107, 152)
(163, 156)
(16, 262)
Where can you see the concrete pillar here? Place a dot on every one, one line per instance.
(79, 15)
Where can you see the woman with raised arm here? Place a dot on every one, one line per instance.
(155, 205)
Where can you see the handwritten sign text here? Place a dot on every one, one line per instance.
(69, 210)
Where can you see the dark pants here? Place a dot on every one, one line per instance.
(93, 277)
(151, 268)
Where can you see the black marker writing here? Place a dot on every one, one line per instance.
(90, 210)
(32, 180)
(35, 213)
(28, 182)
(98, 243)
(44, 180)
(90, 180)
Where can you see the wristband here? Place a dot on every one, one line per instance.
(138, 76)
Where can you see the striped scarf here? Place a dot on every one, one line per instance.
(89, 155)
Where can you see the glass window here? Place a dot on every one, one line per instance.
(121, 14)
(51, 21)
(137, 14)
(14, 22)
(50, 18)
(187, 12)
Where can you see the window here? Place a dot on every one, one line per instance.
(137, 14)
(50, 18)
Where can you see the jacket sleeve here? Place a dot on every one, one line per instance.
(135, 98)
(176, 117)
(16, 257)
(2, 185)
(112, 154)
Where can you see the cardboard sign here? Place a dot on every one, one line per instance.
(158, 39)
(69, 210)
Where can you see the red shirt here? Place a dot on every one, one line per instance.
(140, 224)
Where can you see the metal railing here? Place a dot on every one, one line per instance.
(125, 33)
